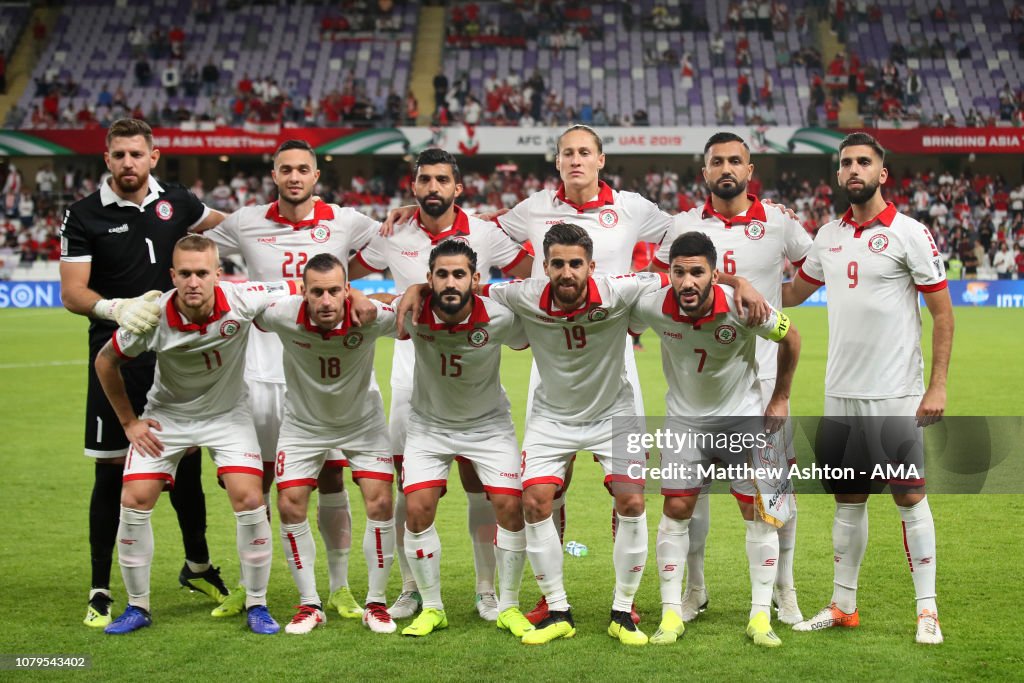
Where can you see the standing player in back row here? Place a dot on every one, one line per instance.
(437, 183)
(875, 261)
(754, 241)
(277, 240)
(116, 244)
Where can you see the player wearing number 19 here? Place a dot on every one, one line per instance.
(332, 407)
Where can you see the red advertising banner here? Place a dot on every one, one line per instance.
(952, 140)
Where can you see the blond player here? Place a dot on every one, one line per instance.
(577, 328)
(333, 409)
(754, 241)
(198, 398)
(437, 183)
(459, 408)
(709, 355)
(875, 262)
(277, 240)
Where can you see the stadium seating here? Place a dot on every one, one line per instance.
(13, 20)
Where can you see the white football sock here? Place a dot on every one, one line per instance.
(423, 550)
(545, 553)
(300, 553)
(334, 518)
(482, 524)
(849, 541)
(629, 557)
(379, 550)
(558, 514)
(408, 580)
(919, 542)
(762, 557)
(670, 552)
(135, 554)
(787, 544)
(255, 549)
(510, 549)
(700, 522)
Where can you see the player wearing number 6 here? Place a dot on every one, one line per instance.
(333, 409)
(875, 261)
(197, 398)
(753, 241)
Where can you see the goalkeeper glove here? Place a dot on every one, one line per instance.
(138, 315)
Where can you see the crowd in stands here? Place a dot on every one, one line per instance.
(977, 220)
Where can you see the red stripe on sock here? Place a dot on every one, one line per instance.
(380, 548)
(906, 546)
(295, 551)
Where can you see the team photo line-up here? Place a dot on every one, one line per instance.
(174, 367)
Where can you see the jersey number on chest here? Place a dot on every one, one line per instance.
(293, 264)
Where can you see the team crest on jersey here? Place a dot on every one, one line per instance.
(164, 210)
(229, 328)
(320, 234)
(352, 341)
(478, 337)
(754, 230)
(608, 218)
(878, 243)
(725, 334)
(598, 314)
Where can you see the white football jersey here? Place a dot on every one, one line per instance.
(580, 355)
(406, 253)
(200, 367)
(754, 245)
(873, 273)
(329, 374)
(457, 381)
(274, 248)
(710, 363)
(615, 221)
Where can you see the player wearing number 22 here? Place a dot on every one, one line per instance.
(332, 408)
(875, 261)
(198, 398)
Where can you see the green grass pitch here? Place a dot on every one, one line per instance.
(45, 563)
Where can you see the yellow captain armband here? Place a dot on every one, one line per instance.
(778, 326)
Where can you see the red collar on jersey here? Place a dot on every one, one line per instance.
(322, 211)
(459, 227)
(310, 326)
(754, 213)
(604, 197)
(886, 216)
(671, 307)
(477, 316)
(547, 301)
(174, 319)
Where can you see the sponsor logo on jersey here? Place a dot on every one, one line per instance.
(267, 240)
(119, 229)
(725, 334)
(425, 337)
(252, 456)
(353, 340)
(411, 254)
(673, 335)
(608, 218)
(320, 234)
(554, 222)
(544, 319)
(229, 328)
(598, 314)
(835, 250)
(878, 243)
(305, 345)
(508, 475)
(478, 337)
(164, 210)
(754, 230)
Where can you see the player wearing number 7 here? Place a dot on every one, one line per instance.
(874, 262)
(332, 409)
(753, 241)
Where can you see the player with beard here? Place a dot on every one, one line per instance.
(710, 358)
(277, 240)
(752, 240)
(116, 247)
(875, 262)
(437, 184)
(460, 408)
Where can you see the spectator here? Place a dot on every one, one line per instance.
(46, 181)
(190, 80)
(176, 39)
(143, 73)
(211, 78)
(1003, 262)
(912, 89)
(170, 79)
(38, 36)
(717, 48)
(412, 108)
(138, 42)
(27, 210)
(440, 90)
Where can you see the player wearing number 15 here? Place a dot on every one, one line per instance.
(332, 407)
